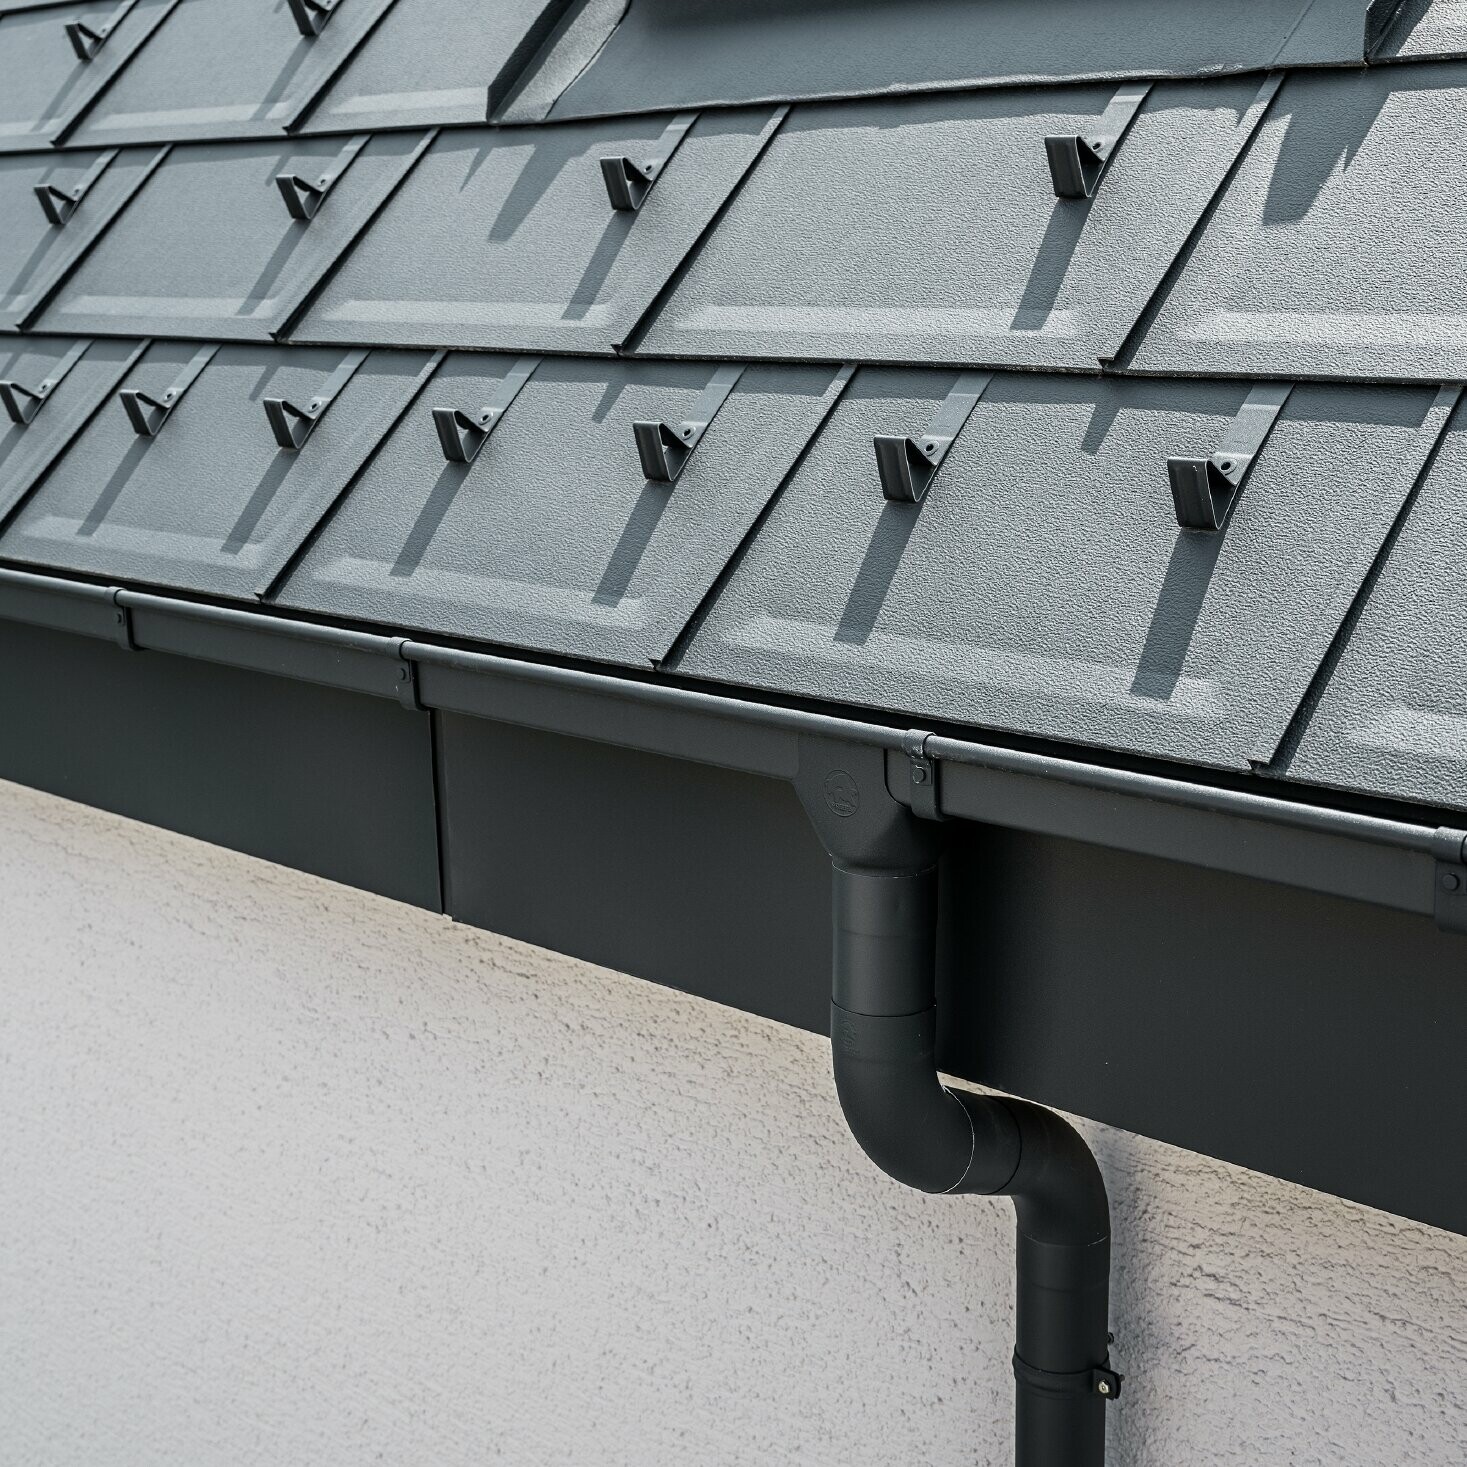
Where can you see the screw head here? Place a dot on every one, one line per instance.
(1104, 1388)
(919, 774)
(1451, 881)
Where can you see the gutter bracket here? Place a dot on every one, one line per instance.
(407, 680)
(122, 619)
(1449, 902)
(923, 775)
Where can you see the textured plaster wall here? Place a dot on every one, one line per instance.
(293, 1175)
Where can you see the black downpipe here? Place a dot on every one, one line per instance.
(883, 1037)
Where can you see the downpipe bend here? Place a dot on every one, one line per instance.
(941, 1140)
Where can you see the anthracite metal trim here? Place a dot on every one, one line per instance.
(1393, 863)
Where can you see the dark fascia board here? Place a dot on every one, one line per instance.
(1392, 863)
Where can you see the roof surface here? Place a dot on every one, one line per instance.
(396, 221)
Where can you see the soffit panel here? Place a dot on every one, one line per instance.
(553, 538)
(1043, 586)
(927, 229)
(209, 248)
(210, 503)
(505, 239)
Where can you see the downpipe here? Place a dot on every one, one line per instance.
(941, 1140)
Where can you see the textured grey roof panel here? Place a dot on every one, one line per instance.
(36, 255)
(927, 229)
(552, 538)
(1335, 251)
(436, 62)
(210, 503)
(1392, 718)
(226, 69)
(505, 238)
(44, 86)
(28, 450)
(1425, 30)
(208, 247)
(1043, 586)
(688, 53)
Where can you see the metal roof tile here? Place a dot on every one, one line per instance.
(78, 386)
(690, 53)
(927, 229)
(227, 69)
(553, 537)
(1391, 718)
(209, 502)
(1334, 251)
(1043, 586)
(1425, 30)
(37, 253)
(209, 246)
(45, 85)
(506, 239)
(436, 61)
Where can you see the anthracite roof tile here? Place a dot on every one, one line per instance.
(58, 413)
(1334, 250)
(227, 69)
(45, 85)
(436, 62)
(1043, 586)
(210, 502)
(927, 229)
(209, 248)
(843, 195)
(36, 253)
(553, 538)
(697, 53)
(1391, 718)
(506, 239)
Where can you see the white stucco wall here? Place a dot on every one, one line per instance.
(297, 1177)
